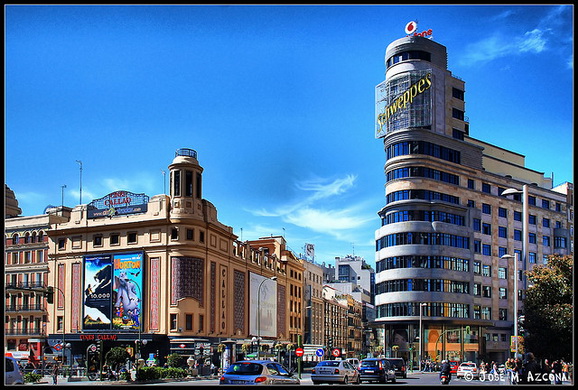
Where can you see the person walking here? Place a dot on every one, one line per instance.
(55, 373)
(531, 371)
(557, 371)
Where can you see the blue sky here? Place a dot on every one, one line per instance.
(278, 101)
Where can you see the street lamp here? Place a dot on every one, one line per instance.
(259, 315)
(139, 341)
(420, 306)
(516, 258)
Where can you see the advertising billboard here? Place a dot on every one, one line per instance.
(118, 203)
(403, 102)
(113, 291)
(263, 306)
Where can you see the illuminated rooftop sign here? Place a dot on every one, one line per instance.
(118, 203)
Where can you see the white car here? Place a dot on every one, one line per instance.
(12, 374)
(335, 371)
(468, 370)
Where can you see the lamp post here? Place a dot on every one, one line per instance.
(525, 217)
(259, 315)
(80, 163)
(420, 332)
(140, 341)
(516, 258)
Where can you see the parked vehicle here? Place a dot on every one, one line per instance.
(334, 371)
(468, 370)
(454, 366)
(354, 362)
(399, 366)
(12, 374)
(376, 370)
(258, 372)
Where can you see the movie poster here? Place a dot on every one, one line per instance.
(98, 292)
(127, 291)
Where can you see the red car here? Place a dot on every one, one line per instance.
(453, 366)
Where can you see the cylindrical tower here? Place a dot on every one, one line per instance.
(186, 185)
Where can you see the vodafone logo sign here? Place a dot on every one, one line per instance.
(410, 27)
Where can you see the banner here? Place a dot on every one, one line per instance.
(127, 291)
(97, 292)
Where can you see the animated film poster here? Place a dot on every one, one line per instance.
(97, 292)
(127, 291)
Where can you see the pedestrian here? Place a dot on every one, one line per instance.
(531, 371)
(557, 371)
(55, 373)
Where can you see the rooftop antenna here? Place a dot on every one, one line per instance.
(80, 163)
(353, 246)
(62, 189)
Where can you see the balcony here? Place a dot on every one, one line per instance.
(26, 308)
(24, 332)
(25, 285)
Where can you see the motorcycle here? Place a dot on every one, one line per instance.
(445, 379)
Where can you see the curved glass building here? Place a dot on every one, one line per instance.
(446, 225)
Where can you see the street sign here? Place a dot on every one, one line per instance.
(336, 352)
(299, 352)
(92, 347)
(320, 352)
(57, 347)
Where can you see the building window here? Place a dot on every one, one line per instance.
(532, 238)
(531, 200)
(76, 242)
(477, 267)
(97, 240)
(477, 224)
(559, 242)
(486, 250)
(486, 228)
(546, 240)
(517, 216)
(40, 256)
(174, 323)
(59, 323)
(471, 203)
(458, 114)
(174, 234)
(114, 239)
(198, 188)
(545, 204)
(189, 322)
(532, 219)
(201, 323)
(201, 236)
(190, 234)
(502, 273)
(502, 212)
(486, 270)
(503, 314)
(457, 93)
(532, 257)
(27, 257)
(188, 183)
(503, 293)
(486, 313)
(517, 235)
(486, 188)
(477, 246)
(502, 231)
(62, 243)
(502, 251)
(545, 222)
(458, 134)
(486, 291)
(486, 208)
(177, 183)
(471, 184)
(132, 238)
(558, 207)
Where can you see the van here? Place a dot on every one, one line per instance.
(399, 366)
(12, 373)
(354, 362)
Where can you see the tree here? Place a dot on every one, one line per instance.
(175, 360)
(116, 357)
(548, 309)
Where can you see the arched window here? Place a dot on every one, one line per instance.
(15, 239)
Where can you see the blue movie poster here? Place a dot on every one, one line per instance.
(127, 291)
(97, 292)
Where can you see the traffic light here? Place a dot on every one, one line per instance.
(98, 346)
(49, 294)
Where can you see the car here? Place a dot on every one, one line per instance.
(12, 372)
(376, 370)
(398, 364)
(258, 372)
(454, 366)
(468, 370)
(334, 371)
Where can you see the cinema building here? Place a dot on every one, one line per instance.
(162, 275)
(446, 223)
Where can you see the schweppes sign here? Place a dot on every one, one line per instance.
(403, 100)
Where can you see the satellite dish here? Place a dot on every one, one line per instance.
(411, 27)
(48, 207)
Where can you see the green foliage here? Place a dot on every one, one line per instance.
(175, 360)
(155, 373)
(30, 377)
(116, 357)
(548, 309)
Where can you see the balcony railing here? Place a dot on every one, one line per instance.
(35, 307)
(25, 285)
(23, 332)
